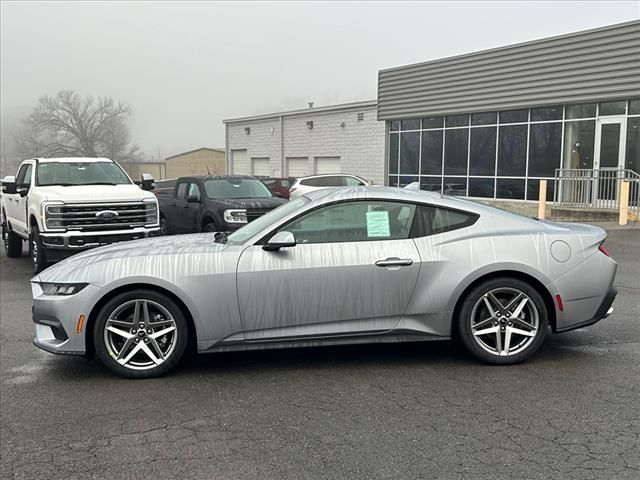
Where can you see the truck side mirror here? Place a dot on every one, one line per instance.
(9, 185)
(147, 182)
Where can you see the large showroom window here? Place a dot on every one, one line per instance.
(505, 154)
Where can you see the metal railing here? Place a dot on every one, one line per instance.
(596, 188)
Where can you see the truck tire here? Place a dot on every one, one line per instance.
(209, 226)
(12, 242)
(37, 251)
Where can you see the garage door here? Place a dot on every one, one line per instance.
(260, 167)
(327, 165)
(298, 167)
(240, 164)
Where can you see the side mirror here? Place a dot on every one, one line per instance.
(193, 199)
(147, 182)
(9, 185)
(280, 240)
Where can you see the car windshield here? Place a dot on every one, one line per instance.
(80, 173)
(236, 188)
(268, 219)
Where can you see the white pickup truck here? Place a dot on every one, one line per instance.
(65, 205)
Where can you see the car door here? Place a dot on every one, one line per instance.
(353, 270)
(20, 201)
(177, 209)
(192, 208)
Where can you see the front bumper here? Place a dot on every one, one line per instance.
(604, 310)
(56, 320)
(76, 240)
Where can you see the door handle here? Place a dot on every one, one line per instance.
(394, 262)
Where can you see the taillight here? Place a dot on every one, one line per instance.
(292, 189)
(604, 250)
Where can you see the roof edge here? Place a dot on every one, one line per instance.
(220, 150)
(305, 111)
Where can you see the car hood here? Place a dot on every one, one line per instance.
(266, 202)
(151, 257)
(89, 193)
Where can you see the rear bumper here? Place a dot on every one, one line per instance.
(604, 310)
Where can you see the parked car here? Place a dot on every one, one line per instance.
(279, 186)
(64, 205)
(333, 267)
(220, 203)
(304, 185)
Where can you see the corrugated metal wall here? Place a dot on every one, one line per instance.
(585, 66)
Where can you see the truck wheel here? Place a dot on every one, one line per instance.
(164, 226)
(12, 242)
(210, 227)
(37, 251)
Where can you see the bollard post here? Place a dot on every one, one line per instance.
(624, 203)
(542, 200)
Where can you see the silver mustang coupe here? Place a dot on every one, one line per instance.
(347, 266)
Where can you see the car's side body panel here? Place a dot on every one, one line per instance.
(325, 288)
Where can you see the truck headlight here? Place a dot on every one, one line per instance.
(151, 211)
(235, 216)
(61, 288)
(52, 213)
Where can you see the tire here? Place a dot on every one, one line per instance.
(37, 252)
(488, 328)
(164, 226)
(210, 226)
(11, 241)
(123, 338)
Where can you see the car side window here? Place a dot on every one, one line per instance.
(194, 191)
(354, 222)
(23, 179)
(431, 220)
(352, 182)
(311, 182)
(181, 193)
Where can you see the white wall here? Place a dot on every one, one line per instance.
(359, 144)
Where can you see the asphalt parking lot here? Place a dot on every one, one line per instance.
(381, 411)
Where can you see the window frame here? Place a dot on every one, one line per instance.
(473, 218)
(28, 168)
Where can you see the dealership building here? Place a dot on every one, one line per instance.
(489, 124)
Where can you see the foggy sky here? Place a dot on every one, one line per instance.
(184, 67)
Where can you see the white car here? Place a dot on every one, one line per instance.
(65, 205)
(316, 182)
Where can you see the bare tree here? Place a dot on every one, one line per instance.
(68, 125)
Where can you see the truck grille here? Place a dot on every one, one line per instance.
(253, 213)
(100, 216)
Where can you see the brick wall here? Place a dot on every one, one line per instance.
(359, 144)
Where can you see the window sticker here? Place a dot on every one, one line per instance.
(378, 224)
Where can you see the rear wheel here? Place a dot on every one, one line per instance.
(503, 321)
(140, 334)
(12, 242)
(37, 250)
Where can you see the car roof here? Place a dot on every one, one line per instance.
(331, 175)
(74, 159)
(333, 194)
(217, 177)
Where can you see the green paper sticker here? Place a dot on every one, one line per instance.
(378, 224)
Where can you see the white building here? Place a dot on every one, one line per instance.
(345, 138)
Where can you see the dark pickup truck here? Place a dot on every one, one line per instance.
(220, 203)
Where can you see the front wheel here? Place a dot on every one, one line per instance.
(210, 227)
(140, 334)
(503, 321)
(37, 251)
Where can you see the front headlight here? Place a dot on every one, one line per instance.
(52, 213)
(235, 216)
(151, 211)
(62, 288)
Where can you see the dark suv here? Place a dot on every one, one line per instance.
(212, 203)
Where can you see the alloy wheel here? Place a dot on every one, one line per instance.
(34, 253)
(140, 334)
(504, 321)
